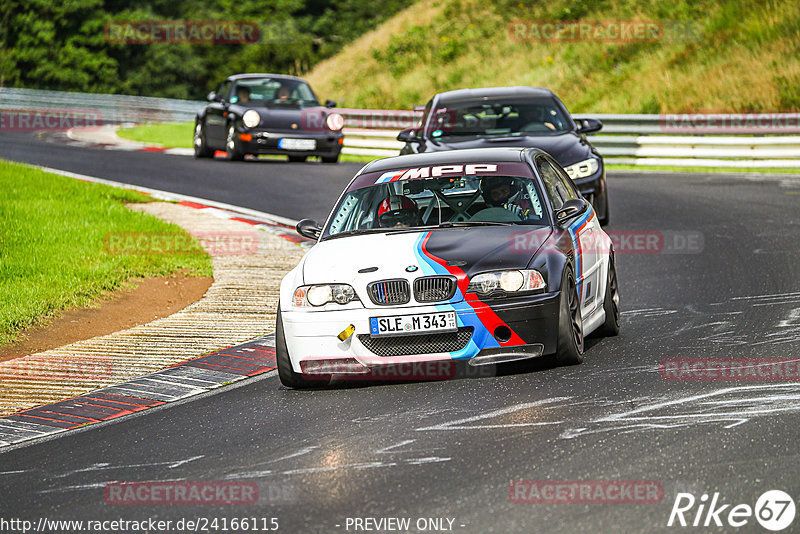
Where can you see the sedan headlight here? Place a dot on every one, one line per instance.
(321, 294)
(508, 281)
(584, 168)
(251, 118)
(335, 122)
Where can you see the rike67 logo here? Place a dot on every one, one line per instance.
(774, 510)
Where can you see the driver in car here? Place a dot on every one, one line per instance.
(398, 212)
(533, 118)
(505, 192)
(282, 93)
(242, 94)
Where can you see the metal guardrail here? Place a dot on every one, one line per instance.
(108, 109)
(770, 140)
(691, 143)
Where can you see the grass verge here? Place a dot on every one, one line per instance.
(170, 135)
(53, 253)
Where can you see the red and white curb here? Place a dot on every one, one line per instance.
(105, 137)
(187, 379)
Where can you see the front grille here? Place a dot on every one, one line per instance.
(434, 288)
(388, 292)
(417, 344)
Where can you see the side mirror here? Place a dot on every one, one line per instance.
(571, 209)
(309, 228)
(330, 103)
(409, 135)
(586, 126)
(212, 96)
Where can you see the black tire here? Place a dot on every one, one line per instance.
(570, 322)
(201, 149)
(288, 376)
(297, 159)
(232, 150)
(606, 216)
(611, 302)
(330, 159)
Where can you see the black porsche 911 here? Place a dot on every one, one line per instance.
(268, 114)
(514, 116)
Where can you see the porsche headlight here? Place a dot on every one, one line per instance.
(321, 294)
(508, 281)
(335, 122)
(584, 168)
(251, 118)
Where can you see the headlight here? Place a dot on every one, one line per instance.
(508, 281)
(251, 118)
(584, 168)
(321, 294)
(335, 122)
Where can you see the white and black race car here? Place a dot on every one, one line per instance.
(485, 256)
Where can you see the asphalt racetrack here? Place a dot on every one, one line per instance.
(722, 281)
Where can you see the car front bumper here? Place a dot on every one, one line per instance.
(311, 336)
(268, 142)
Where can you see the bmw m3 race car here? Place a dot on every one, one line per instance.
(268, 114)
(514, 116)
(483, 256)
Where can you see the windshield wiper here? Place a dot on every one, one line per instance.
(453, 224)
(360, 231)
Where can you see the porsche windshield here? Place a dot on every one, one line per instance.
(438, 202)
(541, 116)
(273, 92)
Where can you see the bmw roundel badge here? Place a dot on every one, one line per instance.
(411, 268)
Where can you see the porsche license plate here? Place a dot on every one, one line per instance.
(297, 144)
(402, 325)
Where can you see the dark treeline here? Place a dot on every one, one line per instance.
(64, 44)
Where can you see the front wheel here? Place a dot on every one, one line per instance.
(232, 151)
(605, 218)
(570, 322)
(288, 376)
(611, 302)
(201, 149)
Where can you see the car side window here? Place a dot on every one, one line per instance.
(556, 190)
(567, 185)
(222, 92)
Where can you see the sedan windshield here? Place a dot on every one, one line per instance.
(273, 92)
(540, 116)
(445, 201)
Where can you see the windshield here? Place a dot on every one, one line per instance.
(273, 92)
(538, 116)
(397, 203)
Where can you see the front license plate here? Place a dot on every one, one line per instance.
(297, 144)
(401, 325)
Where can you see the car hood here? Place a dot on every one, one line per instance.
(290, 118)
(462, 252)
(566, 148)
